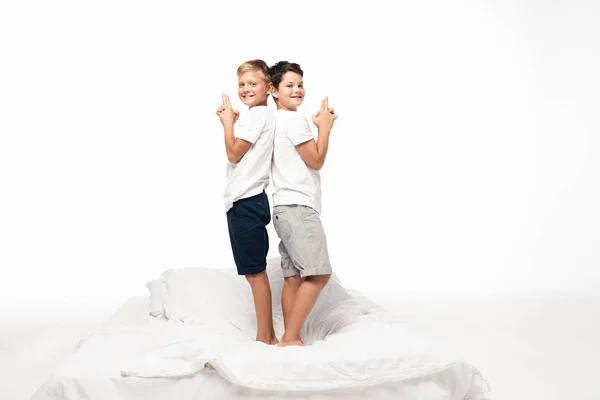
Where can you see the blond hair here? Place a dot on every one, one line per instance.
(255, 65)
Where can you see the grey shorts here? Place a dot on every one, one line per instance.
(303, 245)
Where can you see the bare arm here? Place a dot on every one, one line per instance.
(312, 152)
(235, 148)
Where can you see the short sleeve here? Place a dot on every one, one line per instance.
(251, 126)
(298, 130)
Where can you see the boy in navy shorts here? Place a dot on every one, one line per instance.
(249, 152)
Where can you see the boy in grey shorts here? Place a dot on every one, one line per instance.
(300, 230)
(297, 158)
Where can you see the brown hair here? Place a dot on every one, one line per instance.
(279, 69)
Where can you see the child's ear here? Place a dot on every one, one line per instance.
(270, 88)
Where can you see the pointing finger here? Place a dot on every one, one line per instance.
(226, 102)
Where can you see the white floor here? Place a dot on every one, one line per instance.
(528, 347)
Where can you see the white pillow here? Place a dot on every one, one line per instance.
(155, 287)
(197, 295)
(200, 295)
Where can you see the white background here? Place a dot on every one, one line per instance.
(466, 156)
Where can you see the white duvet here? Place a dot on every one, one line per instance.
(351, 342)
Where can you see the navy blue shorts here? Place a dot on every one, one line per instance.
(247, 221)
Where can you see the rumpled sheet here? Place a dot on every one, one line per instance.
(352, 343)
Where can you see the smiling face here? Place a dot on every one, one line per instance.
(253, 88)
(289, 94)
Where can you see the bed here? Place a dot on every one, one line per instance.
(191, 338)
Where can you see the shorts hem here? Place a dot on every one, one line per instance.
(309, 272)
(287, 272)
(315, 272)
(251, 270)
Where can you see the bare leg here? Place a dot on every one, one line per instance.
(306, 297)
(288, 294)
(261, 290)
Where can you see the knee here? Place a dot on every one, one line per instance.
(320, 279)
(292, 281)
(255, 277)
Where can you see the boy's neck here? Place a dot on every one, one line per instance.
(258, 105)
(280, 107)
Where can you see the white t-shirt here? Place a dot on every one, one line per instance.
(293, 181)
(250, 176)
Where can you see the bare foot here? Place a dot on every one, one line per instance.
(285, 343)
(268, 340)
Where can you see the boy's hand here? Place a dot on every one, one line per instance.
(226, 113)
(324, 118)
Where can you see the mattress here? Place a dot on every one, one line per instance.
(94, 371)
(553, 337)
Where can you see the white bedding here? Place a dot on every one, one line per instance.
(552, 336)
(197, 355)
(93, 371)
